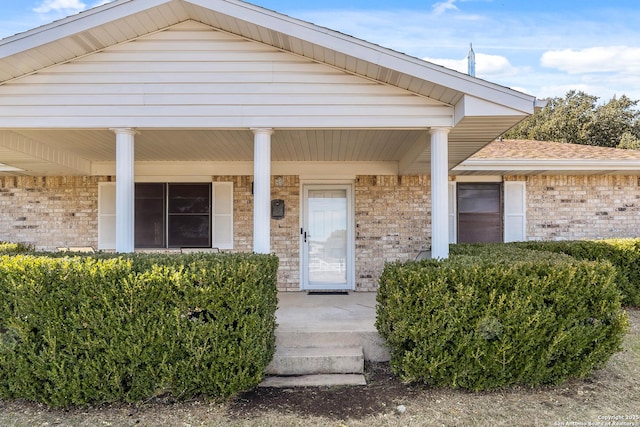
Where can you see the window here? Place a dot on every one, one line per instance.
(473, 208)
(173, 215)
(479, 208)
(150, 216)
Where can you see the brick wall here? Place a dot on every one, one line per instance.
(582, 207)
(392, 215)
(50, 212)
(377, 198)
(393, 222)
(284, 232)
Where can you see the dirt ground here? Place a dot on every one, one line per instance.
(610, 397)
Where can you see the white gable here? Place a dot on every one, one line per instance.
(192, 75)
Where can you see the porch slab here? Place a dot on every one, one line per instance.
(330, 320)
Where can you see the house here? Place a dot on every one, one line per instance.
(538, 190)
(163, 124)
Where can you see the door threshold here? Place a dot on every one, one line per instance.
(327, 292)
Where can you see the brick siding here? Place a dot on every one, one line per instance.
(582, 207)
(392, 215)
(393, 222)
(50, 212)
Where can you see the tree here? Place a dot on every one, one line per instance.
(612, 120)
(577, 118)
(629, 141)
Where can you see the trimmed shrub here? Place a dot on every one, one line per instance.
(80, 330)
(9, 248)
(624, 254)
(508, 317)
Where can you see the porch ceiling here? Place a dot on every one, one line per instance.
(233, 145)
(74, 151)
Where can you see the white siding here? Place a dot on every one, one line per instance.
(192, 75)
(515, 220)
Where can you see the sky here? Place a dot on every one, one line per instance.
(541, 47)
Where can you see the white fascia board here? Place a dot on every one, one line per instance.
(370, 52)
(546, 165)
(471, 106)
(476, 178)
(459, 81)
(246, 121)
(74, 24)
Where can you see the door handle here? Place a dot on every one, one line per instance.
(304, 234)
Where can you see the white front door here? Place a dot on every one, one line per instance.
(327, 237)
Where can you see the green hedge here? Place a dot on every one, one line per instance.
(8, 248)
(85, 330)
(510, 316)
(624, 254)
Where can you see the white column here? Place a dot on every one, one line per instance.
(439, 193)
(125, 189)
(262, 190)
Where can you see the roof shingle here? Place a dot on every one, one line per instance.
(546, 150)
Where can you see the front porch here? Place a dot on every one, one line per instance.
(324, 339)
(214, 108)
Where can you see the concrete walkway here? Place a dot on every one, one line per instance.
(324, 340)
(339, 319)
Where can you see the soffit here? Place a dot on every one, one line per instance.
(234, 145)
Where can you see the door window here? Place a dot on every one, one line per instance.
(327, 238)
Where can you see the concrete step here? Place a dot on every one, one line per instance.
(289, 361)
(320, 380)
(372, 344)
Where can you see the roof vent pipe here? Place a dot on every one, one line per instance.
(471, 61)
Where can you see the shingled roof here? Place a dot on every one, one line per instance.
(528, 149)
(524, 157)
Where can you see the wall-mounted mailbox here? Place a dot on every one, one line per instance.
(277, 209)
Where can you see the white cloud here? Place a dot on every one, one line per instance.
(67, 6)
(443, 6)
(601, 59)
